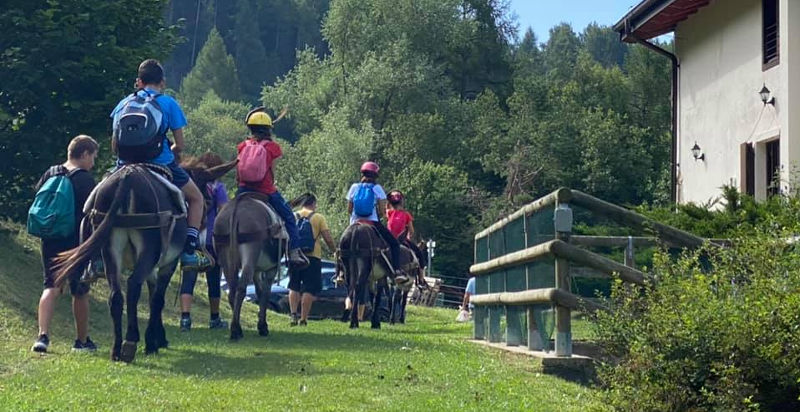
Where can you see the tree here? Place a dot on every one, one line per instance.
(216, 125)
(214, 70)
(64, 66)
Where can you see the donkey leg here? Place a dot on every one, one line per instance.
(262, 291)
(403, 303)
(115, 300)
(155, 336)
(376, 308)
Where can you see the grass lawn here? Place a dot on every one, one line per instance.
(425, 365)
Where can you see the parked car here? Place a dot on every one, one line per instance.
(329, 303)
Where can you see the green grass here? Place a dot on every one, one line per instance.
(427, 364)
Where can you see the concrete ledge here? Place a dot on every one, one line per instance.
(578, 368)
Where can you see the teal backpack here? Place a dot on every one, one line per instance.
(52, 214)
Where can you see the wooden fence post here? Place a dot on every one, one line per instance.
(563, 313)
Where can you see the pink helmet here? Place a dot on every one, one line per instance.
(370, 167)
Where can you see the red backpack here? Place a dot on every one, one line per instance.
(252, 167)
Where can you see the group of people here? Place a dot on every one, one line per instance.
(367, 202)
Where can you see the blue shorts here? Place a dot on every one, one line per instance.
(179, 176)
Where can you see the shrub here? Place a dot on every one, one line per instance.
(716, 329)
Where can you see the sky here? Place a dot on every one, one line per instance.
(541, 15)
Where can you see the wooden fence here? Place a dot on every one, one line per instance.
(524, 265)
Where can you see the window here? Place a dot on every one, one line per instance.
(773, 168)
(770, 34)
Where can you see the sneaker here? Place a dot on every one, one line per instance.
(294, 320)
(303, 323)
(186, 324)
(41, 344)
(87, 346)
(217, 323)
(196, 261)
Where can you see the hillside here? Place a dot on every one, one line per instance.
(427, 364)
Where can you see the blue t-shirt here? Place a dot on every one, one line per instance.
(470, 289)
(174, 119)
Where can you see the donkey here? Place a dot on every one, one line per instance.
(249, 236)
(361, 257)
(137, 221)
(399, 296)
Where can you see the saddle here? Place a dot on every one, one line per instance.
(277, 230)
(163, 220)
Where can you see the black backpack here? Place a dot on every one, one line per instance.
(137, 128)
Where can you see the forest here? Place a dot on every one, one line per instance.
(467, 113)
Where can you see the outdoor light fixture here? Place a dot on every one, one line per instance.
(697, 153)
(765, 96)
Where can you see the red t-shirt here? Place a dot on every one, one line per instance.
(266, 186)
(398, 220)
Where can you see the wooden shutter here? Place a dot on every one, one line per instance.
(747, 159)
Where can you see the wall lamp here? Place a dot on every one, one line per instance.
(765, 96)
(697, 153)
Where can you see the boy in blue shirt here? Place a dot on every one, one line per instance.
(150, 80)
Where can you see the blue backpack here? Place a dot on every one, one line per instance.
(307, 240)
(364, 200)
(138, 128)
(52, 214)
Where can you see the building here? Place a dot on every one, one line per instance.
(736, 91)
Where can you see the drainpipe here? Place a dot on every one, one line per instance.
(675, 66)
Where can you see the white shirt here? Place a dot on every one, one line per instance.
(379, 195)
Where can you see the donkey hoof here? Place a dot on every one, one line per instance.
(263, 330)
(128, 352)
(163, 344)
(375, 326)
(150, 350)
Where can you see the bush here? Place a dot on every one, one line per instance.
(718, 329)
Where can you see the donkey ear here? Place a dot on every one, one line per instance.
(218, 171)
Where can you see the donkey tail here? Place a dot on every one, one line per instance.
(69, 263)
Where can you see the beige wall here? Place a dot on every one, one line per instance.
(719, 49)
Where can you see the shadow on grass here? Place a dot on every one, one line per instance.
(282, 353)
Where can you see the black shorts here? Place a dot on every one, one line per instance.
(308, 280)
(50, 249)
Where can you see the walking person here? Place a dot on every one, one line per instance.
(305, 284)
(216, 195)
(61, 191)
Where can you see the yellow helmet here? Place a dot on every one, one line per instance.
(259, 119)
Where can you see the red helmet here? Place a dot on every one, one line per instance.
(370, 167)
(395, 196)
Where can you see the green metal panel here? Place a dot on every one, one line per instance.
(544, 315)
(542, 274)
(515, 279)
(514, 325)
(496, 244)
(497, 283)
(514, 233)
(540, 227)
(482, 284)
(481, 250)
(480, 315)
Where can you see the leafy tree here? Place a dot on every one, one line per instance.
(214, 70)
(64, 66)
(216, 125)
(603, 44)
